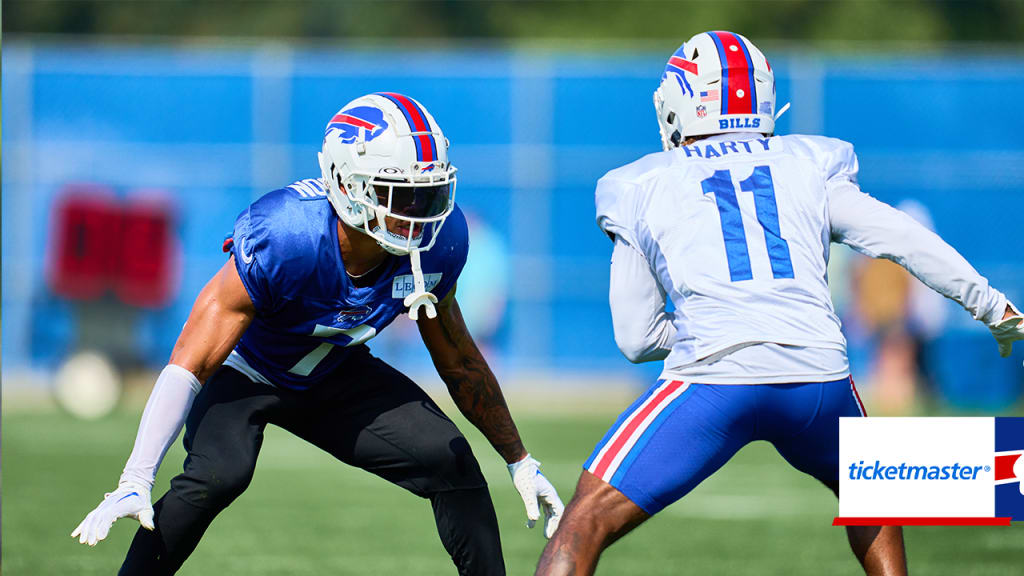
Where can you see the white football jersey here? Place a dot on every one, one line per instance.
(736, 230)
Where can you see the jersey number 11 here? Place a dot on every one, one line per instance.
(760, 184)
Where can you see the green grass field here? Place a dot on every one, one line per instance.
(306, 513)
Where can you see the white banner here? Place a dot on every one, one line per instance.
(917, 467)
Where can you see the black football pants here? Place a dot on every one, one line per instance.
(367, 415)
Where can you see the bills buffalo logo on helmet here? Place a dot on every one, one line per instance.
(349, 122)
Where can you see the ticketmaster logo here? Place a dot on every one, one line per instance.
(931, 468)
(904, 471)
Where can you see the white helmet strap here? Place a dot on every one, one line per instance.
(420, 297)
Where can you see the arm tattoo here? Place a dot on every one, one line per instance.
(474, 388)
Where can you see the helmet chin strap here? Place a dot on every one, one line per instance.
(420, 297)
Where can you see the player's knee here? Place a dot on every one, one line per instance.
(213, 488)
(451, 466)
(600, 512)
(227, 486)
(584, 522)
(585, 514)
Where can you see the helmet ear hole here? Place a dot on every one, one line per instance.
(671, 117)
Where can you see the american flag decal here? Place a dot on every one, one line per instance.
(708, 95)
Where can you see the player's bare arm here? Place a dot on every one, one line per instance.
(476, 392)
(221, 313)
(469, 379)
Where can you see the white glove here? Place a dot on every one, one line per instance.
(128, 499)
(538, 494)
(1008, 331)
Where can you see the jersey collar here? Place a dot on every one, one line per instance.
(734, 136)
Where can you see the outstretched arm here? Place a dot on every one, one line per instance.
(475, 391)
(878, 230)
(219, 316)
(470, 381)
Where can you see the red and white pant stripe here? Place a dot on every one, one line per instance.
(856, 396)
(611, 455)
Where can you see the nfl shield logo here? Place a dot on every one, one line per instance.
(702, 112)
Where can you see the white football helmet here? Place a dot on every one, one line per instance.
(384, 157)
(715, 82)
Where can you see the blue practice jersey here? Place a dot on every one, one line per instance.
(309, 314)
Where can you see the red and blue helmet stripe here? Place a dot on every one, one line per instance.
(678, 65)
(426, 146)
(738, 74)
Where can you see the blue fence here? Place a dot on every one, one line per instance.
(216, 127)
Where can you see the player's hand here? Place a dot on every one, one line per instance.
(1008, 330)
(129, 500)
(538, 494)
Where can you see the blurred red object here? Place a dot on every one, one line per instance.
(86, 228)
(146, 253)
(101, 243)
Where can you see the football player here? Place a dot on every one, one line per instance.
(278, 336)
(734, 225)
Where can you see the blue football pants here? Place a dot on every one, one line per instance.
(677, 434)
